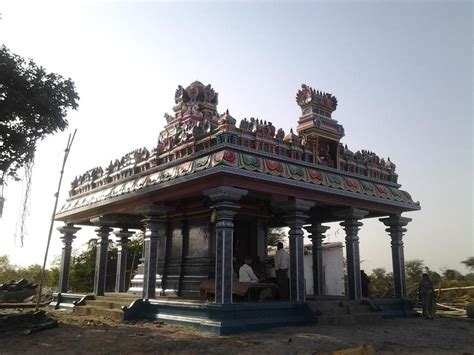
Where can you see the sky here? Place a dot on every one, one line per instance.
(402, 73)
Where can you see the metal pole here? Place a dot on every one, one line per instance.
(66, 154)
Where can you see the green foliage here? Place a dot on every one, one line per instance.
(274, 236)
(81, 277)
(32, 273)
(33, 105)
(469, 262)
(451, 274)
(381, 283)
(414, 270)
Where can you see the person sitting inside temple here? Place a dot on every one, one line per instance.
(246, 273)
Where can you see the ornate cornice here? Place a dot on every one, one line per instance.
(244, 161)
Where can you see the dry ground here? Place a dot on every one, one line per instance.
(86, 335)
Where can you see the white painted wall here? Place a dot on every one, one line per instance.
(333, 267)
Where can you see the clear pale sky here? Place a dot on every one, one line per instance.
(402, 72)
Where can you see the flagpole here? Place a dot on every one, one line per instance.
(66, 154)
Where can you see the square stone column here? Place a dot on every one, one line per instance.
(224, 198)
(122, 256)
(351, 226)
(100, 275)
(155, 228)
(296, 214)
(68, 235)
(396, 224)
(316, 233)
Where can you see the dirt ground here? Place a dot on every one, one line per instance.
(88, 335)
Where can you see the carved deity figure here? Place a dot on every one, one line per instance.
(324, 155)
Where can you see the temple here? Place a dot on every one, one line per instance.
(210, 189)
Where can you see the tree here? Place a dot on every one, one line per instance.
(33, 105)
(10, 272)
(81, 277)
(274, 236)
(414, 270)
(381, 283)
(469, 262)
(451, 274)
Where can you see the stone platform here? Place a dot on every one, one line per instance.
(222, 319)
(237, 317)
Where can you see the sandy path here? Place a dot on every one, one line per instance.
(86, 335)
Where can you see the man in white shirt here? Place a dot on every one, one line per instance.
(282, 261)
(246, 273)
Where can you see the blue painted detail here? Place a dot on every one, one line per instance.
(69, 300)
(223, 319)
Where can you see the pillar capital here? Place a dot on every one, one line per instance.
(225, 193)
(396, 224)
(316, 230)
(68, 230)
(123, 235)
(296, 213)
(351, 222)
(103, 232)
(224, 200)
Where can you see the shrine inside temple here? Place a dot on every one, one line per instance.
(208, 192)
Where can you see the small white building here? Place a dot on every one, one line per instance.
(333, 268)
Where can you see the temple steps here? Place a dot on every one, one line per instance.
(343, 312)
(109, 306)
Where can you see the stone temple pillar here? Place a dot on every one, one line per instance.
(396, 224)
(122, 256)
(155, 228)
(67, 237)
(351, 226)
(100, 276)
(224, 198)
(295, 216)
(317, 231)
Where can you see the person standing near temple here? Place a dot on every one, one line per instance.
(364, 283)
(282, 261)
(427, 297)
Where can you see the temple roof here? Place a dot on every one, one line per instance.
(198, 142)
